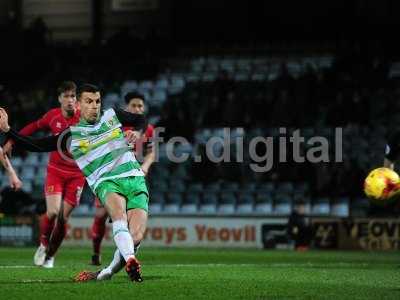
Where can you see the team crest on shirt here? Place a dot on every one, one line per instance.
(58, 125)
(110, 123)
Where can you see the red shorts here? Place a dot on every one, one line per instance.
(68, 184)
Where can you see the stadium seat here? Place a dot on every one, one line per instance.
(157, 98)
(266, 186)
(230, 187)
(145, 86)
(156, 202)
(301, 188)
(177, 84)
(32, 159)
(192, 77)
(177, 185)
(321, 206)
(359, 207)
(285, 187)
(189, 206)
(245, 203)
(111, 100)
(27, 186)
(282, 204)
(173, 202)
(161, 83)
(27, 173)
(195, 187)
(249, 187)
(16, 162)
(159, 186)
(340, 207)
(263, 203)
(227, 203)
(128, 86)
(208, 204)
(212, 187)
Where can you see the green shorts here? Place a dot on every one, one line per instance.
(134, 190)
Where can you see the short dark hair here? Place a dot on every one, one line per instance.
(66, 86)
(87, 87)
(131, 95)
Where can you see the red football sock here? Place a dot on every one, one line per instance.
(98, 231)
(46, 227)
(59, 232)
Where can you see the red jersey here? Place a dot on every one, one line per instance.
(144, 142)
(55, 122)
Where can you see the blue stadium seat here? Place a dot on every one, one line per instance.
(245, 203)
(156, 202)
(190, 205)
(285, 187)
(282, 204)
(161, 83)
(212, 187)
(173, 202)
(321, 206)
(340, 207)
(266, 186)
(177, 185)
(208, 204)
(32, 159)
(195, 187)
(27, 172)
(263, 203)
(128, 86)
(359, 207)
(230, 186)
(227, 203)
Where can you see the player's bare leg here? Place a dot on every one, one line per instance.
(47, 221)
(137, 219)
(131, 264)
(116, 209)
(58, 234)
(98, 231)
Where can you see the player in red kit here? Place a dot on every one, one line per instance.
(144, 151)
(64, 180)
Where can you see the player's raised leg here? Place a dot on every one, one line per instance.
(137, 220)
(115, 205)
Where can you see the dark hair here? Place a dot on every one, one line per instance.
(132, 95)
(87, 87)
(66, 86)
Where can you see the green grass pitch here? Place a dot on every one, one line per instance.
(209, 274)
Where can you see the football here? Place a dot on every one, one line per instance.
(382, 185)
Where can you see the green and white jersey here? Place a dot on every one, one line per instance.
(101, 151)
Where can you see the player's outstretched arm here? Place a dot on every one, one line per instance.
(46, 144)
(31, 128)
(129, 119)
(15, 182)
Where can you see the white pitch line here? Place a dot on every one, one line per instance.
(273, 265)
(24, 267)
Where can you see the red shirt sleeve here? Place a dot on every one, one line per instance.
(42, 123)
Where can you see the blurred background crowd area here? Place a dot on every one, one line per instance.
(200, 70)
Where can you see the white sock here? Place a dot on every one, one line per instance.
(115, 266)
(123, 239)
